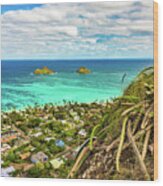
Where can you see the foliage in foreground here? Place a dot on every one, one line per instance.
(121, 145)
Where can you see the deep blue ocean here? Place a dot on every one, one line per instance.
(20, 87)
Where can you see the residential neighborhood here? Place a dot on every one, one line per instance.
(45, 141)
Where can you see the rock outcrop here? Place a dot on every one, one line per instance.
(43, 71)
(83, 70)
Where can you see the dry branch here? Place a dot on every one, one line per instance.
(137, 153)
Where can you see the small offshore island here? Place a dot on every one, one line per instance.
(83, 70)
(109, 140)
(44, 71)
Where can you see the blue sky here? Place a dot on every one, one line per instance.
(6, 8)
(78, 30)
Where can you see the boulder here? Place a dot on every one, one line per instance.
(83, 70)
(43, 71)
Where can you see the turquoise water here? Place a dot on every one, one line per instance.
(20, 87)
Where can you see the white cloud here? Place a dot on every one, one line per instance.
(79, 30)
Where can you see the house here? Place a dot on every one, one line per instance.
(25, 155)
(8, 139)
(2, 161)
(37, 134)
(5, 147)
(56, 163)
(7, 127)
(9, 133)
(82, 132)
(59, 143)
(49, 138)
(32, 149)
(40, 156)
(5, 172)
(9, 136)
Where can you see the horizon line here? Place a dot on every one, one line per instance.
(68, 59)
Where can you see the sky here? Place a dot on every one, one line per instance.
(77, 30)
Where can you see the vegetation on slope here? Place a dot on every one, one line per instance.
(121, 145)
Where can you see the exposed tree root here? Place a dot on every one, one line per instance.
(76, 165)
(121, 144)
(132, 108)
(137, 153)
(145, 147)
(146, 117)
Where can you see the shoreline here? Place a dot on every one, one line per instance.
(63, 103)
(107, 78)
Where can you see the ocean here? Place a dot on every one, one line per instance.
(21, 88)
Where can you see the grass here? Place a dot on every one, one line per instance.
(130, 121)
